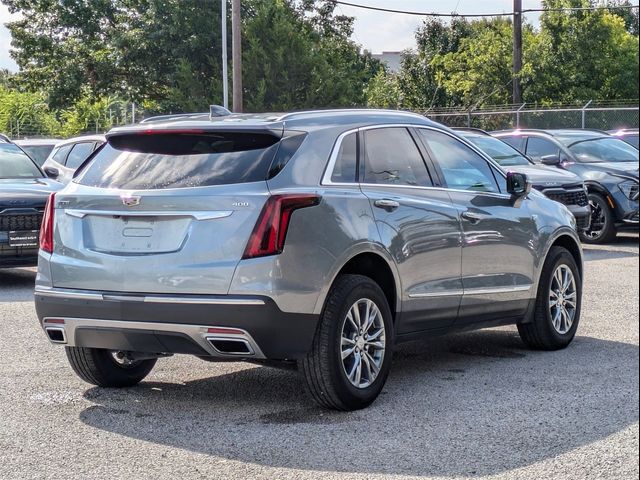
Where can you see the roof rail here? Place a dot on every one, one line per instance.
(303, 113)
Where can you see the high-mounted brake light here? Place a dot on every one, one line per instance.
(46, 229)
(269, 234)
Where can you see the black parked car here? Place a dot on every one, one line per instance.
(561, 186)
(24, 190)
(608, 166)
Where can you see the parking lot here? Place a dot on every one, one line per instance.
(472, 405)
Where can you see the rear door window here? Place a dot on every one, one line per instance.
(541, 147)
(392, 158)
(60, 155)
(181, 160)
(79, 154)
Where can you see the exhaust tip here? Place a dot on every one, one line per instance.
(56, 334)
(230, 346)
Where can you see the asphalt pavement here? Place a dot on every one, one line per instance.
(472, 405)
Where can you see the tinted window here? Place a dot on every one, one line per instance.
(79, 154)
(344, 170)
(604, 150)
(60, 154)
(38, 153)
(632, 140)
(180, 160)
(501, 152)
(515, 141)
(462, 168)
(392, 157)
(286, 150)
(14, 163)
(541, 147)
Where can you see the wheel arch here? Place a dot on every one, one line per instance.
(567, 240)
(374, 264)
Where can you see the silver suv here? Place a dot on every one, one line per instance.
(320, 238)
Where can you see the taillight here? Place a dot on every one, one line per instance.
(46, 229)
(269, 234)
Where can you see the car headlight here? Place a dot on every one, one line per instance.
(630, 189)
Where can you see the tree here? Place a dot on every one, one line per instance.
(297, 53)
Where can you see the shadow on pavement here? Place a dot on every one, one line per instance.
(466, 405)
(16, 284)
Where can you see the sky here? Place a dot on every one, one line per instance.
(375, 31)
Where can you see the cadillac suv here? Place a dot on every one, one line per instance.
(320, 239)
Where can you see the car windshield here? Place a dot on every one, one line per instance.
(501, 152)
(604, 150)
(14, 163)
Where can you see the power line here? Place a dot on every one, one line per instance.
(477, 15)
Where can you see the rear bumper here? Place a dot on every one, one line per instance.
(170, 324)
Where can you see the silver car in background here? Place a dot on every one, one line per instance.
(69, 154)
(320, 239)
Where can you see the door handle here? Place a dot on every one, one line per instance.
(472, 217)
(386, 204)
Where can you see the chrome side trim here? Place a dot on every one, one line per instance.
(198, 333)
(187, 300)
(326, 178)
(473, 291)
(444, 293)
(494, 290)
(212, 215)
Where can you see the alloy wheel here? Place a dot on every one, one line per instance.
(563, 298)
(362, 343)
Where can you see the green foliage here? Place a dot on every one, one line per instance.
(296, 53)
(573, 57)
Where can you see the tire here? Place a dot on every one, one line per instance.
(324, 369)
(541, 334)
(99, 367)
(602, 220)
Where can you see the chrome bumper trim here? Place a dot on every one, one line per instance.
(198, 333)
(190, 300)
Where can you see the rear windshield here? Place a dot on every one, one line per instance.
(14, 163)
(180, 160)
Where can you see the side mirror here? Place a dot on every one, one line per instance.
(551, 160)
(517, 184)
(52, 172)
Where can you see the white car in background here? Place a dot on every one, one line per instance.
(69, 154)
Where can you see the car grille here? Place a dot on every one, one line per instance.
(576, 197)
(11, 223)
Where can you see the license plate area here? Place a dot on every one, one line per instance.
(24, 238)
(134, 234)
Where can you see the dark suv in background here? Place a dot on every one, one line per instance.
(608, 166)
(561, 186)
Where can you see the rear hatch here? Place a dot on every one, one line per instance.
(163, 212)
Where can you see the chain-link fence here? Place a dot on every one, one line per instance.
(592, 115)
(34, 125)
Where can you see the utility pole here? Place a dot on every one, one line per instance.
(517, 51)
(225, 66)
(236, 45)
